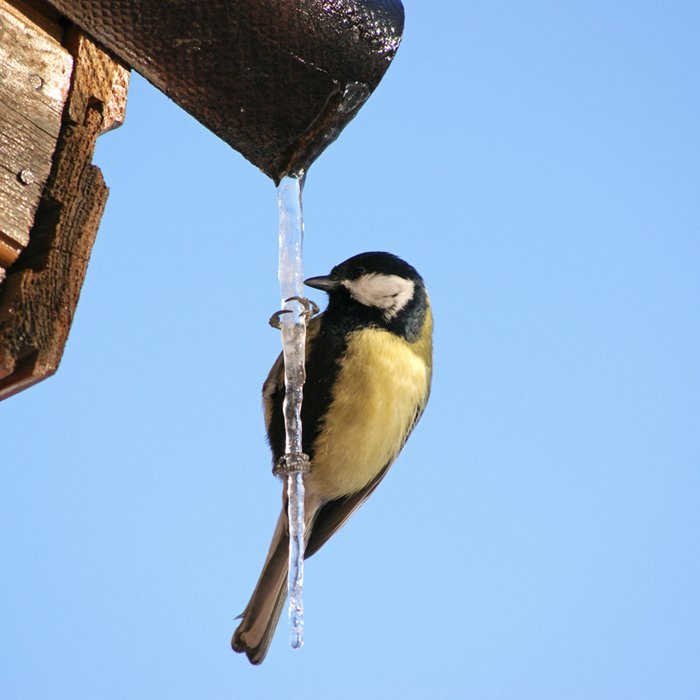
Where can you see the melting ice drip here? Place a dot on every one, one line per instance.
(291, 276)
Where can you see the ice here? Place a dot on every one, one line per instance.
(354, 96)
(291, 278)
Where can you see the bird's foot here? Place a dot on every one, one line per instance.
(310, 307)
(292, 463)
(275, 321)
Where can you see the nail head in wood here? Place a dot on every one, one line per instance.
(26, 177)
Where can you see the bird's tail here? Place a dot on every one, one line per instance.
(254, 635)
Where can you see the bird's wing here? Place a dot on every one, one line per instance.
(275, 379)
(334, 514)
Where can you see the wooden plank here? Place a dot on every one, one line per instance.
(98, 75)
(39, 296)
(24, 146)
(35, 73)
(18, 204)
(36, 70)
(42, 15)
(26, 162)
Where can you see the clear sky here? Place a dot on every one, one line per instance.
(539, 163)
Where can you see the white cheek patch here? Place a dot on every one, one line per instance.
(387, 292)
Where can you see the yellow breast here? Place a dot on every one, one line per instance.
(383, 381)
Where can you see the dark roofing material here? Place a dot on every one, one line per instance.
(267, 76)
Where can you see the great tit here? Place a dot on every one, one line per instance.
(368, 373)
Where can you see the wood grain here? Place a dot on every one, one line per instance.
(39, 296)
(35, 72)
(98, 76)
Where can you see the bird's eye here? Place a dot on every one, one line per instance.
(358, 272)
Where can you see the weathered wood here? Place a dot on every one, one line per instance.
(26, 162)
(97, 76)
(35, 72)
(24, 146)
(42, 15)
(40, 294)
(19, 204)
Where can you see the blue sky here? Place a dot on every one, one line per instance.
(539, 163)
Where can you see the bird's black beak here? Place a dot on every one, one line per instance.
(327, 284)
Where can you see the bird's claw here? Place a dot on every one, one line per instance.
(310, 307)
(310, 310)
(275, 318)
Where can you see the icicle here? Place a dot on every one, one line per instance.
(291, 278)
(294, 464)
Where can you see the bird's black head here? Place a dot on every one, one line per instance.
(375, 289)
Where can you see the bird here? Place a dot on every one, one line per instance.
(368, 376)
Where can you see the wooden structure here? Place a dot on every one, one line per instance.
(60, 90)
(277, 80)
